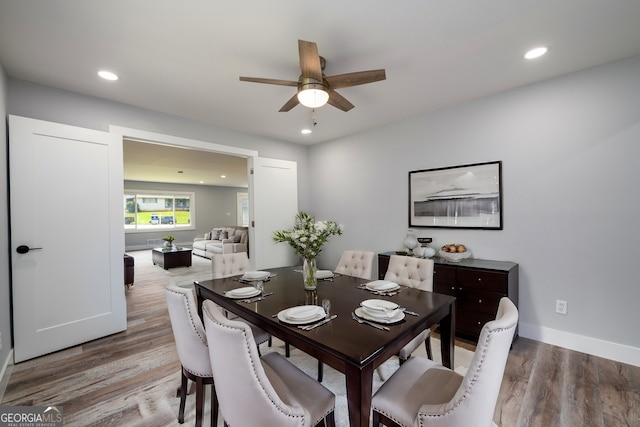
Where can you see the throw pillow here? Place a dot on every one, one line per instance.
(223, 235)
(207, 236)
(215, 234)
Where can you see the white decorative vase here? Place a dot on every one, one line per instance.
(410, 242)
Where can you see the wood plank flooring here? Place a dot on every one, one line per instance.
(115, 381)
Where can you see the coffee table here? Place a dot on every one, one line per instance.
(170, 258)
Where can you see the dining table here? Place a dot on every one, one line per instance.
(352, 348)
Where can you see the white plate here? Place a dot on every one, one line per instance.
(380, 308)
(240, 293)
(324, 274)
(382, 285)
(395, 319)
(319, 315)
(255, 275)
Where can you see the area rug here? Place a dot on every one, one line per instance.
(163, 399)
(333, 380)
(181, 276)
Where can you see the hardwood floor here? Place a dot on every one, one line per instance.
(116, 380)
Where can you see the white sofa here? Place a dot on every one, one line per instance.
(222, 240)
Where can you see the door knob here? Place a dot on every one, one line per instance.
(23, 249)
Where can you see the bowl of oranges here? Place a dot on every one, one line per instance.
(454, 252)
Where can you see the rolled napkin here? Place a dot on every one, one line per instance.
(382, 285)
(324, 274)
(380, 308)
(255, 274)
(242, 292)
(304, 312)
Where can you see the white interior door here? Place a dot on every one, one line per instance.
(66, 187)
(273, 190)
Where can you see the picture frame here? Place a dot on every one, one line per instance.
(465, 197)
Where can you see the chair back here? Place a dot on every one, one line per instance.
(410, 271)
(475, 400)
(226, 265)
(356, 263)
(245, 394)
(188, 331)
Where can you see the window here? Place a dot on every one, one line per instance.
(151, 211)
(242, 209)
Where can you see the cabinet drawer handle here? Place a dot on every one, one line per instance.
(479, 301)
(479, 279)
(453, 288)
(479, 323)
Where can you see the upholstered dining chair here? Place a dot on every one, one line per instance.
(414, 273)
(193, 351)
(424, 393)
(227, 265)
(356, 263)
(261, 391)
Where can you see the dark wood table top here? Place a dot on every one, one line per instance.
(349, 347)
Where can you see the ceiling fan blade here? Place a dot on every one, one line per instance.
(290, 104)
(354, 79)
(339, 101)
(269, 81)
(309, 60)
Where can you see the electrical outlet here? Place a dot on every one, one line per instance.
(561, 307)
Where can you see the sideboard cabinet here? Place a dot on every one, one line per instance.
(477, 284)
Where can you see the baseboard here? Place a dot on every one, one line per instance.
(3, 372)
(593, 346)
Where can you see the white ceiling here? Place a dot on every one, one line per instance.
(161, 163)
(185, 57)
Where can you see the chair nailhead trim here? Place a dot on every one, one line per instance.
(253, 367)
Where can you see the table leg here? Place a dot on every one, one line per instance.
(448, 337)
(359, 390)
(199, 301)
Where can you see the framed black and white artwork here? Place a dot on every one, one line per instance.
(466, 196)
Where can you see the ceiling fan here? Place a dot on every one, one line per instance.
(314, 88)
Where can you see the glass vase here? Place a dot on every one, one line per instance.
(309, 273)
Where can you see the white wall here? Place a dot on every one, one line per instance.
(570, 149)
(60, 106)
(56, 105)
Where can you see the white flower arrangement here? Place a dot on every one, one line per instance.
(308, 235)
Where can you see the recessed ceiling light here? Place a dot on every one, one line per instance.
(305, 131)
(536, 52)
(223, 176)
(201, 182)
(107, 75)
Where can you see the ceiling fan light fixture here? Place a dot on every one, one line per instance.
(313, 95)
